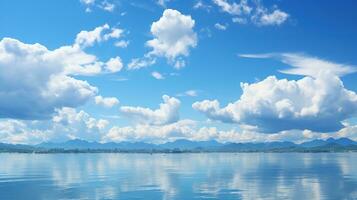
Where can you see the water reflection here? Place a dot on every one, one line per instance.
(178, 176)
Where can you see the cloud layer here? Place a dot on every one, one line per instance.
(318, 104)
(67, 123)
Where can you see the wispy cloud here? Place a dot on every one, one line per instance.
(252, 11)
(190, 93)
(221, 27)
(306, 65)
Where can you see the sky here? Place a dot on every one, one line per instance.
(161, 70)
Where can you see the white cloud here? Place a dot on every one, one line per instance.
(252, 11)
(151, 133)
(72, 59)
(114, 65)
(234, 8)
(173, 37)
(106, 101)
(71, 124)
(138, 63)
(277, 17)
(189, 129)
(349, 131)
(122, 44)
(70, 116)
(104, 5)
(318, 104)
(166, 114)
(18, 132)
(101, 33)
(213, 110)
(220, 26)
(87, 2)
(66, 124)
(306, 65)
(88, 38)
(114, 33)
(77, 62)
(157, 75)
(239, 20)
(200, 5)
(49, 86)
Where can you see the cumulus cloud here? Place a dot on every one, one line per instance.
(71, 124)
(173, 38)
(97, 35)
(151, 133)
(246, 135)
(213, 110)
(318, 104)
(122, 44)
(349, 131)
(51, 83)
(173, 35)
(70, 116)
(166, 114)
(49, 86)
(114, 64)
(189, 129)
(265, 18)
(88, 38)
(252, 11)
(306, 65)
(107, 102)
(18, 132)
(234, 8)
(67, 123)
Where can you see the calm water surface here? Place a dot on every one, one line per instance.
(179, 176)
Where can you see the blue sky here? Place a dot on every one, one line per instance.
(194, 55)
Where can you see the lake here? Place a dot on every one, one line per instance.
(179, 176)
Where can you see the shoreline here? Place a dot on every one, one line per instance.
(165, 152)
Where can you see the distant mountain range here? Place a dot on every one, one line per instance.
(331, 144)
